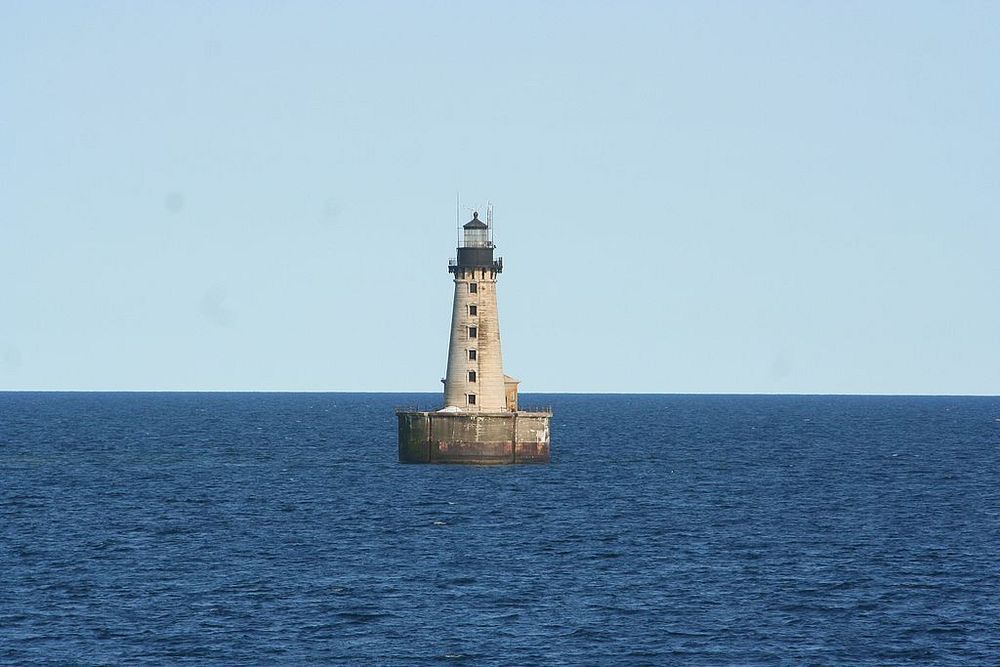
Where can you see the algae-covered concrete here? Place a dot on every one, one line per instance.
(478, 438)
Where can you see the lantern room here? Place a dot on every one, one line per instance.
(477, 233)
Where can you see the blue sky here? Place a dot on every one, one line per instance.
(793, 197)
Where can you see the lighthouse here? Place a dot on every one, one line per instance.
(475, 379)
(481, 420)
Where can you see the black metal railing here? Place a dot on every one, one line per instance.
(495, 265)
(438, 407)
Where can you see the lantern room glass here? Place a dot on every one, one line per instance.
(477, 238)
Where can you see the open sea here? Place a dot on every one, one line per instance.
(254, 528)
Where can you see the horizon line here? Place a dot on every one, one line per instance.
(430, 393)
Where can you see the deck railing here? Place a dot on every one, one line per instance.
(436, 408)
(416, 408)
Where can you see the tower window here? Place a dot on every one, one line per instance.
(473, 310)
(472, 376)
(472, 399)
(472, 355)
(473, 288)
(473, 332)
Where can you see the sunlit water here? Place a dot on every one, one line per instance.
(279, 528)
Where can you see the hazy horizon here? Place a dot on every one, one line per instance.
(438, 394)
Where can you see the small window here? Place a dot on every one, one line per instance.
(472, 355)
(472, 376)
(473, 332)
(473, 288)
(473, 310)
(472, 399)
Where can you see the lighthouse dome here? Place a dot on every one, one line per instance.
(475, 223)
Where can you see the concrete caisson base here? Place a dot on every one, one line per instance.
(477, 438)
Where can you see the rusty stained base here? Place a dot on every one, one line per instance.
(482, 438)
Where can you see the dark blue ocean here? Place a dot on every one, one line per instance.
(240, 529)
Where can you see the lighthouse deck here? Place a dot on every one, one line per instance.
(483, 438)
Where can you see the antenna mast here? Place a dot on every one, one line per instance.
(489, 219)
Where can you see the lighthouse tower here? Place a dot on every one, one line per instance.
(475, 379)
(481, 422)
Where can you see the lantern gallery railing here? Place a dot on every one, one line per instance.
(496, 265)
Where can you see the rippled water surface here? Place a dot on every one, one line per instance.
(279, 528)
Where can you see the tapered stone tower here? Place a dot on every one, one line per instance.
(481, 421)
(475, 380)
